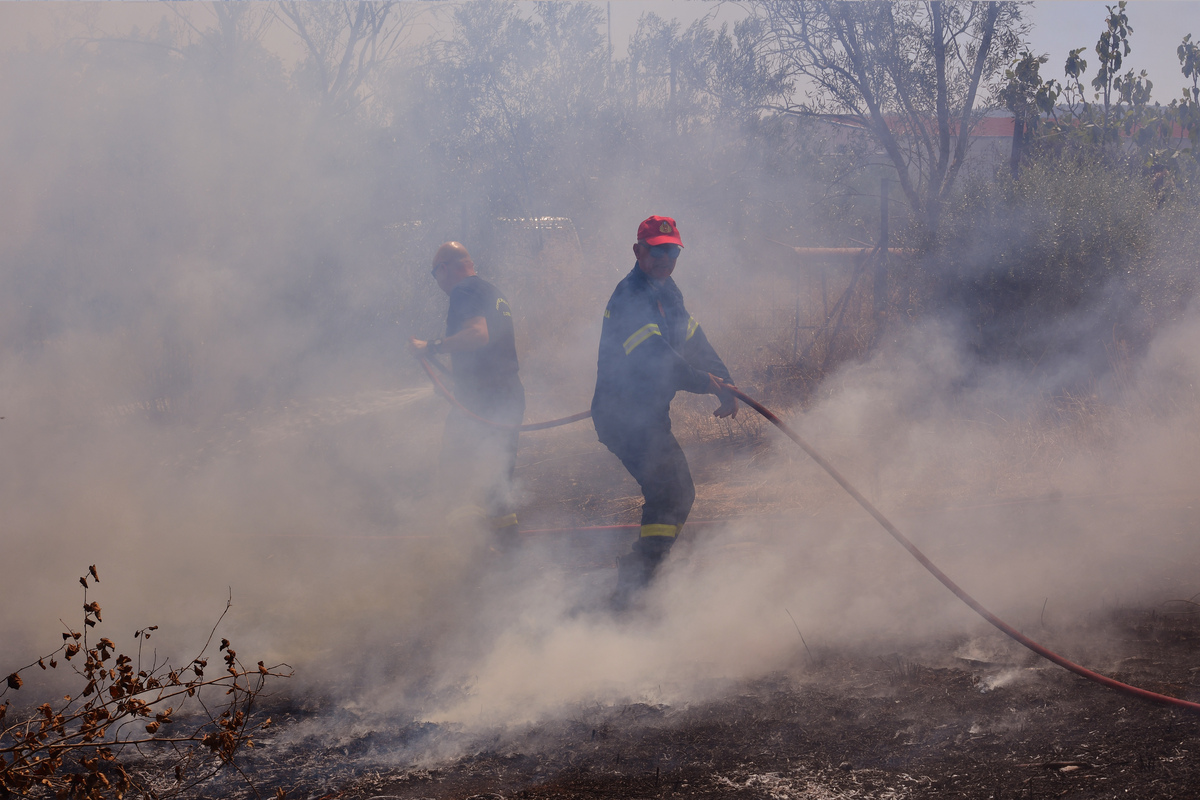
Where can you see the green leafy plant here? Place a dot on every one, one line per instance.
(135, 729)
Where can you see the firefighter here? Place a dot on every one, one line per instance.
(478, 459)
(651, 348)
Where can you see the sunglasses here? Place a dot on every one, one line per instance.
(665, 250)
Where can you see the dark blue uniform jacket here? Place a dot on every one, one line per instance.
(650, 348)
(486, 380)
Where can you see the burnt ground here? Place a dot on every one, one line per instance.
(921, 723)
(842, 725)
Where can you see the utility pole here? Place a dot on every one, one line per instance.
(610, 49)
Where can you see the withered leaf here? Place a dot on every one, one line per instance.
(42, 663)
(92, 569)
(152, 727)
(84, 582)
(14, 681)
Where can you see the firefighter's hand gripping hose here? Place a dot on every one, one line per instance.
(1143, 694)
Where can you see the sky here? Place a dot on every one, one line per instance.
(1058, 27)
(1158, 28)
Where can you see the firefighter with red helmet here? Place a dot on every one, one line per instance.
(651, 348)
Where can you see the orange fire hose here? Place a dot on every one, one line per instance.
(1049, 655)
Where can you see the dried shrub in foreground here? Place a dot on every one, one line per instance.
(138, 730)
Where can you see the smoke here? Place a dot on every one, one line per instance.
(205, 393)
(1047, 540)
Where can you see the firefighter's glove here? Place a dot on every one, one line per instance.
(724, 393)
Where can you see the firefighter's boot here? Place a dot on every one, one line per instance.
(505, 534)
(636, 570)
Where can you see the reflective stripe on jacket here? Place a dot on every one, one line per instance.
(650, 348)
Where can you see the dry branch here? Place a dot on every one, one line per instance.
(85, 747)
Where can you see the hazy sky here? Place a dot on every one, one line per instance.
(1158, 28)
(1059, 26)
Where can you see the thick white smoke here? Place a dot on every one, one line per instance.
(205, 393)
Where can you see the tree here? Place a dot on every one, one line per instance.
(1187, 109)
(910, 74)
(1119, 123)
(1028, 97)
(699, 74)
(347, 44)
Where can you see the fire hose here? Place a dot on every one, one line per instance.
(959, 592)
(534, 426)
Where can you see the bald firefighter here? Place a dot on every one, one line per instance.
(478, 459)
(651, 348)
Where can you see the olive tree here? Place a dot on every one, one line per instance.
(912, 75)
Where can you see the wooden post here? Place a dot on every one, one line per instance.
(796, 324)
(881, 262)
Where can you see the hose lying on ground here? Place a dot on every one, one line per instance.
(1144, 694)
(1003, 626)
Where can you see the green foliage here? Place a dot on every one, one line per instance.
(1026, 94)
(1077, 250)
(1029, 98)
(1120, 120)
(1187, 108)
(1119, 125)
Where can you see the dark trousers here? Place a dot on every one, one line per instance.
(656, 461)
(479, 460)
